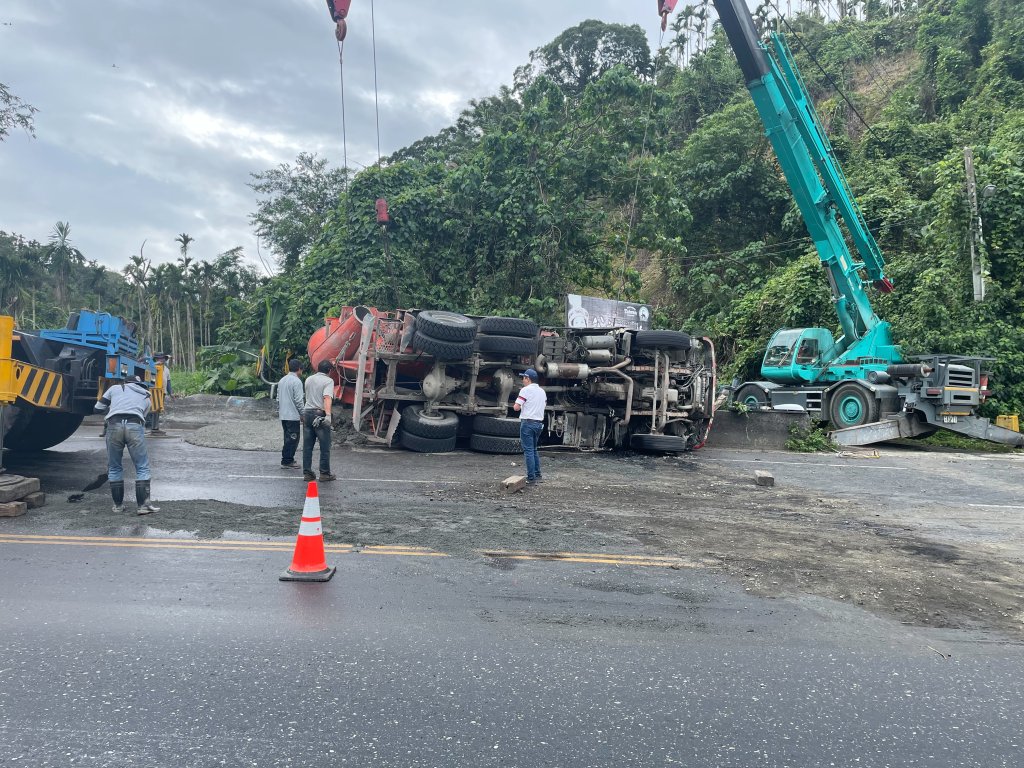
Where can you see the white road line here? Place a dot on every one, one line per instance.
(997, 506)
(349, 479)
(809, 464)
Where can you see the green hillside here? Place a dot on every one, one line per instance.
(611, 170)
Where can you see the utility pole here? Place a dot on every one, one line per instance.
(976, 240)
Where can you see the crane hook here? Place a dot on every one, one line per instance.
(339, 10)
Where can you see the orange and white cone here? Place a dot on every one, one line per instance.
(309, 562)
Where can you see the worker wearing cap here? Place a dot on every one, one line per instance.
(125, 406)
(530, 405)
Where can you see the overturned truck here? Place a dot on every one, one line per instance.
(433, 380)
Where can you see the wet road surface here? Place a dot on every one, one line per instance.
(124, 656)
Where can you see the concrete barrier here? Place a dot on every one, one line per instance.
(756, 429)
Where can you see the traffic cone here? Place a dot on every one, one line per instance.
(309, 562)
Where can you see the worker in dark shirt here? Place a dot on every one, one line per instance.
(125, 406)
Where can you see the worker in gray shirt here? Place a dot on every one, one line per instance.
(290, 396)
(125, 406)
(316, 422)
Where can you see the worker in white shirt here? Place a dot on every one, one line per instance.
(530, 405)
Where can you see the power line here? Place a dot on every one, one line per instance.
(814, 59)
(639, 168)
(780, 249)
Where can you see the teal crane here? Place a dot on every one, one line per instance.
(859, 382)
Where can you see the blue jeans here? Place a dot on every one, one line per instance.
(121, 435)
(529, 436)
(310, 436)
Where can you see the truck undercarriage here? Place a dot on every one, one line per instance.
(429, 380)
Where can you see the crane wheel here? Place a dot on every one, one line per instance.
(851, 405)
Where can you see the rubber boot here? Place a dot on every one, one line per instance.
(145, 506)
(117, 494)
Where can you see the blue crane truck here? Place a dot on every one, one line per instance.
(860, 383)
(50, 380)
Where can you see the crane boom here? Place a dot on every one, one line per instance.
(817, 182)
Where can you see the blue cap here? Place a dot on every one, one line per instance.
(530, 374)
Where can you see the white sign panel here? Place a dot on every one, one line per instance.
(592, 312)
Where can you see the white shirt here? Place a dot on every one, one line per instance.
(532, 400)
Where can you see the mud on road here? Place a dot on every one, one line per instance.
(782, 541)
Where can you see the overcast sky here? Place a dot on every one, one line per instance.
(153, 113)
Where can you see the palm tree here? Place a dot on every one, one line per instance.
(207, 280)
(61, 257)
(189, 346)
(97, 274)
(137, 273)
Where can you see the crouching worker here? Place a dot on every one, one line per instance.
(125, 406)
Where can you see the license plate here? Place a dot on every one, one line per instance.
(950, 419)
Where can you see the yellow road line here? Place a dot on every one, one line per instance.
(394, 550)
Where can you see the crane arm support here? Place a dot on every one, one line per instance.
(807, 160)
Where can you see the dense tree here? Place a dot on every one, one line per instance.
(15, 113)
(298, 199)
(581, 55)
(61, 258)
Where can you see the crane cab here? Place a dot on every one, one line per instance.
(796, 355)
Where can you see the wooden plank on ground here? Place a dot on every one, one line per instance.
(35, 500)
(13, 509)
(513, 483)
(13, 487)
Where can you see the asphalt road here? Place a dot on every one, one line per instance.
(142, 652)
(133, 641)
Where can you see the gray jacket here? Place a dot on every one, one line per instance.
(129, 400)
(290, 395)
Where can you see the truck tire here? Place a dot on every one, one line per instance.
(507, 345)
(442, 350)
(494, 444)
(851, 405)
(509, 326)
(498, 426)
(662, 340)
(658, 443)
(44, 430)
(440, 425)
(426, 444)
(751, 396)
(445, 326)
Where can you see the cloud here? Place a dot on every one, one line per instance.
(153, 115)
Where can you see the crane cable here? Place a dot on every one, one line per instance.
(376, 100)
(376, 107)
(639, 168)
(344, 130)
